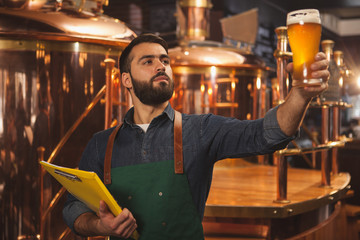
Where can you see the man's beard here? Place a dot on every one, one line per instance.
(150, 95)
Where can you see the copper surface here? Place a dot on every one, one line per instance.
(335, 136)
(282, 55)
(71, 130)
(193, 19)
(325, 160)
(109, 65)
(281, 196)
(213, 77)
(339, 58)
(317, 148)
(195, 3)
(249, 192)
(327, 47)
(50, 72)
(219, 56)
(281, 92)
(74, 24)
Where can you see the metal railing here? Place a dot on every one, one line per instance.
(326, 144)
(45, 211)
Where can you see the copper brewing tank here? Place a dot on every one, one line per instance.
(219, 80)
(212, 77)
(51, 67)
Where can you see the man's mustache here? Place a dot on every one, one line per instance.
(158, 75)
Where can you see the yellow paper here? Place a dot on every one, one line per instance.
(85, 186)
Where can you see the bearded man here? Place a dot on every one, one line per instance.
(158, 164)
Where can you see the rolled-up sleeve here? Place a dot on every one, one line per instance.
(73, 208)
(272, 132)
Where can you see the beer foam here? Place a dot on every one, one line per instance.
(304, 16)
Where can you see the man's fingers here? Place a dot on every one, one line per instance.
(103, 208)
(124, 223)
(320, 65)
(324, 74)
(130, 230)
(124, 216)
(320, 56)
(317, 89)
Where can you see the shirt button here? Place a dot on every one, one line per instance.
(129, 197)
(144, 152)
(160, 194)
(163, 223)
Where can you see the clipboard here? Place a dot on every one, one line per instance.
(85, 186)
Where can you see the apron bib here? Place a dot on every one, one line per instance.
(157, 194)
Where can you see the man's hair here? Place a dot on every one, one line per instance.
(144, 38)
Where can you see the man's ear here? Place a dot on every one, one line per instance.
(126, 80)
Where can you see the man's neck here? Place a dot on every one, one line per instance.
(146, 113)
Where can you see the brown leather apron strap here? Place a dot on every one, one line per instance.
(178, 149)
(108, 155)
(178, 146)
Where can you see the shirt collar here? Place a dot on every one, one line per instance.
(168, 111)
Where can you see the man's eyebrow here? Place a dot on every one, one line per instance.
(153, 56)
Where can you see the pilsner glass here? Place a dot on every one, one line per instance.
(304, 33)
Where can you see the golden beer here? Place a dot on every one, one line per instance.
(304, 33)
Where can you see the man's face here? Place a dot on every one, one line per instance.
(151, 74)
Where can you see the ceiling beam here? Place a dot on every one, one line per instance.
(342, 27)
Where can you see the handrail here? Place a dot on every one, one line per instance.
(53, 202)
(318, 148)
(64, 139)
(307, 160)
(45, 212)
(65, 234)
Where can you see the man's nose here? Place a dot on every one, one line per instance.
(160, 67)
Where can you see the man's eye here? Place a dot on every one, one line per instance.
(166, 61)
(148, 62)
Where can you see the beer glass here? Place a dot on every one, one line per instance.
(304, 33)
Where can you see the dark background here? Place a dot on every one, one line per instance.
(158, 16)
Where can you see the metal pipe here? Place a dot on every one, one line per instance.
(314, 142)
(325, 163)
(281, 181)
(193, 18)
(313, 154)
(109, 66)
(55, 152)
(41, 151)
(339, 59)
(281, 54)
(65, 234)
(53, 203)
(335, 137)
(307, 160)
(318, 148)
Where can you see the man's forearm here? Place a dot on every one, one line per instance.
(86, 224)
(291, 113)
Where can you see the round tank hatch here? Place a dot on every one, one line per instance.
(207, 53)
(64, 23)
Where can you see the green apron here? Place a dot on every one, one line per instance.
(158, 197)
